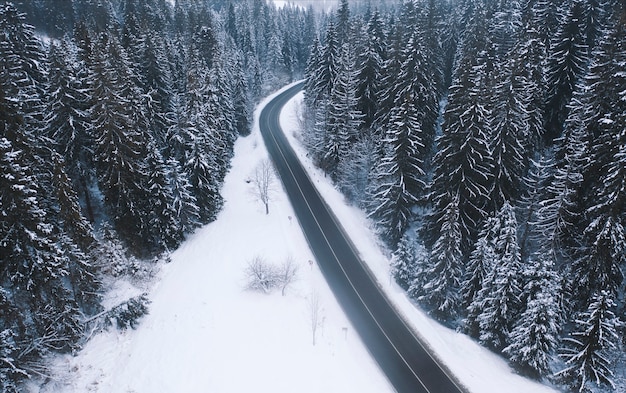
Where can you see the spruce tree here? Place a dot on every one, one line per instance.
(370, 64)
(119, 133)
(399, 181)
(444, 272)
(343, 120)
(585, 351)
(566, 65)
(498, 302)
(534, 337)
(601, 256)
(463, 164)
(509, 132)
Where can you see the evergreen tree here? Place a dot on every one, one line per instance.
(78, 242)
(328, 66)
(343, 120)
(535, 335)
(119, 134)
(343, 23)
(370, 63)
(355, 170)
(162, 222)
(445, 270)
(67, 120)
(184, 204)
(498, 301)
(585, 351)
(241, 102)
(509, 130)
(403, 261)
(399, 180)
(311, 95)
(566, 65)
(481, 264)
(200, 161)
(601, 256)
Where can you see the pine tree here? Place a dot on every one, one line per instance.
(532, 52)
(328, 65)
(119, 133)
(155, 78)
(343, 120)
(67, 120)
(463, 164)
(498, 301)
(184, 203)
(78, 243)
(311, 94)
(241, 101)
(566, 65)
(370, 64)
(35, 265)
(585, 351)
(355, 171)
(403, 261)
(201, 149)
(481, 264)
(399, 182)
(445, 270)
(343, 22)
(601, 256)
(162, 222)
(534, 338)
(509, 131)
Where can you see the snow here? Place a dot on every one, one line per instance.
(206, 333)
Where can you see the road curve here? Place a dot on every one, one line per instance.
(398, 352)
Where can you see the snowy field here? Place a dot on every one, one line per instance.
(207, 333)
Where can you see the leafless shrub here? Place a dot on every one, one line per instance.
(265, 277)
(260, 275)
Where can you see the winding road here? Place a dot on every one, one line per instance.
(398, 351)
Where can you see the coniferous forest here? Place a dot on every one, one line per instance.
(117, 125)
(485, 139)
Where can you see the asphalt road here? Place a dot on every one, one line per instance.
(398, 352)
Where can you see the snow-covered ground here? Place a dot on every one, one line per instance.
(207, 333)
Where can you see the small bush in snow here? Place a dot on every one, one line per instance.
(260, 275)
(265, 277)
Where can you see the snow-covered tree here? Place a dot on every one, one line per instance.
(355, 170)
(535, 336)
(566, 65)
(399, 180)
(343, 119)
(498, 301)
(463, 162)
(369, 65)
(444, 272)
(403, 261)
(600, 259)
(509, 131)
(585, 352)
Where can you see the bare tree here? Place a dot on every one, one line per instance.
(315, 312)
(287, 273)
(260, 275)
(264, 182)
